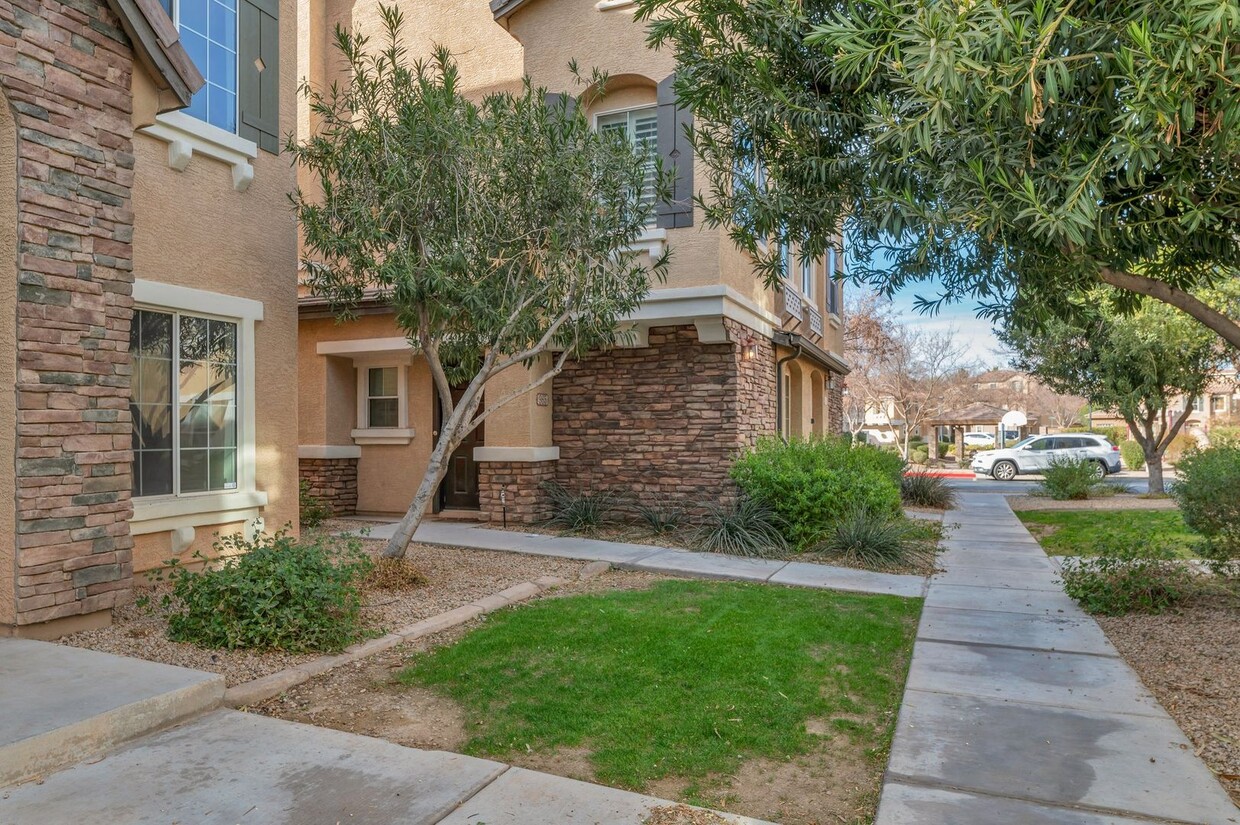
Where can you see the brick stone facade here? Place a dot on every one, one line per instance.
(664, 421)
(65, 69)
(521, 483)
(835, 405)
(333, 481)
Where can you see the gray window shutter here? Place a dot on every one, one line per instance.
(258, 73)
(677, 155)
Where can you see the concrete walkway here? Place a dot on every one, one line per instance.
(662, 559)
(116, 740)
(1018, 709)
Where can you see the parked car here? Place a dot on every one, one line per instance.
(1035, 453)
(979, 440)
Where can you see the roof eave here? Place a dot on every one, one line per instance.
(504, 8)
(829, 360)
(157, 45)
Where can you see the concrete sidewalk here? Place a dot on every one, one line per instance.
(1018, 709)
(108, 739)
(662, 559)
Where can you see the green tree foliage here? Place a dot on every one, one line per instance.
(501, 232)
(1039, 146)
(1208, 493)
(1136, 363)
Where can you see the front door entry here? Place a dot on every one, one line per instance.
(459, 490)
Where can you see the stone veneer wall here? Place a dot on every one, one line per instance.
(66, 70)
(665, 421)
(333, 481)
(525, 500)
(835, 405)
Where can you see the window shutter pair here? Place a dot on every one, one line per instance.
(677, 155)
(258, 73)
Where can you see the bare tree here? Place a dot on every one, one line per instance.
(869, 331)
(924, 374)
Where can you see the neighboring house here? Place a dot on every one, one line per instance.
(148, 321)
(1219, 405)
(710, 362)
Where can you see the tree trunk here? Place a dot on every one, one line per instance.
(1154, 468)
(435, 470)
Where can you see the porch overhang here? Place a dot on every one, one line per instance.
(812, 351)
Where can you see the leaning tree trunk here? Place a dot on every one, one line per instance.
(435, 471)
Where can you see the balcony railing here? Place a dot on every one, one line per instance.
(815, 321)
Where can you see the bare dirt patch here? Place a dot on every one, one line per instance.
(1119, 502)
(452, 577)
(1190, 660)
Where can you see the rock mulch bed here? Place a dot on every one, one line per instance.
(1190, 660)
(454, 577)
(1120, 502)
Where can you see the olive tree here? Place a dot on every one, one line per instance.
(995, 147)
(499, 231)
(1138, 362)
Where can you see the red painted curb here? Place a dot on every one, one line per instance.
(942, 473)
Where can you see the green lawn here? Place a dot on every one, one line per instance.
(686, 679)
(1085, 532)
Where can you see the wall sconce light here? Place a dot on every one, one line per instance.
(749, 347)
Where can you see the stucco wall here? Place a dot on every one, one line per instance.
(193, 229)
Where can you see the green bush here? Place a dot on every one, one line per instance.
(1127, 578)
(1070, 479)
(925, 490)
(271, 593)
(578, 511)
(876, 540)
(1225, 435)
(1133, 455)
(918, 455)
(1208, 492)
(312, 510)
(743, 528)
(660, 518)
(812, 484)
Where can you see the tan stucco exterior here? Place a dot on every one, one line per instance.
(192, 228)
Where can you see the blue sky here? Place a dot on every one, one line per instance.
(976, 332)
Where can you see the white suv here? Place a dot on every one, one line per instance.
(1037, 452)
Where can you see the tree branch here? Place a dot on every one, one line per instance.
(1228, 328)
(560, 361)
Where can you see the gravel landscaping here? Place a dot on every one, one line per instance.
(453, 577)
(1190, 660)
(1119, 502)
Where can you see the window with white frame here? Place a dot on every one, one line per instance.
(382, 397)
(1199, 405)
(640, 127)
(184, 403)
(832, 286)
(807, 277)
(208, 31)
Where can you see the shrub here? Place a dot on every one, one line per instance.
(1127, 578)
(924, 490)
(1208, 492)
(1133, 455)
(918, 455)
(578, 511)
(744, 528)
(1179, 445)
(811, 484)
(277, 594)
(1225, 435)
(876, 540)
(312, 510)
(1070, 479)
(660, 518)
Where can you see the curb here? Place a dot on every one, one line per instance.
(265, 687)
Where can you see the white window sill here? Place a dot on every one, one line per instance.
(159, 514)
(382, 435)
(652, 240)
(836, 321)
(187, 135)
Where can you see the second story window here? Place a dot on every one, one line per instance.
(833, 287)
(208, 30)
(641, 128)
(807, 278)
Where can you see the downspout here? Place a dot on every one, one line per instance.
(779, 390)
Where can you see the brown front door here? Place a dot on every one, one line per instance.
(459, 490)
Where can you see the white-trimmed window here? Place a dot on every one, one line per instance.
(193, 407)
(640, 127)
(807, 277)
(208, 31)
(184, 403)
(382, 400)
(832, 285)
